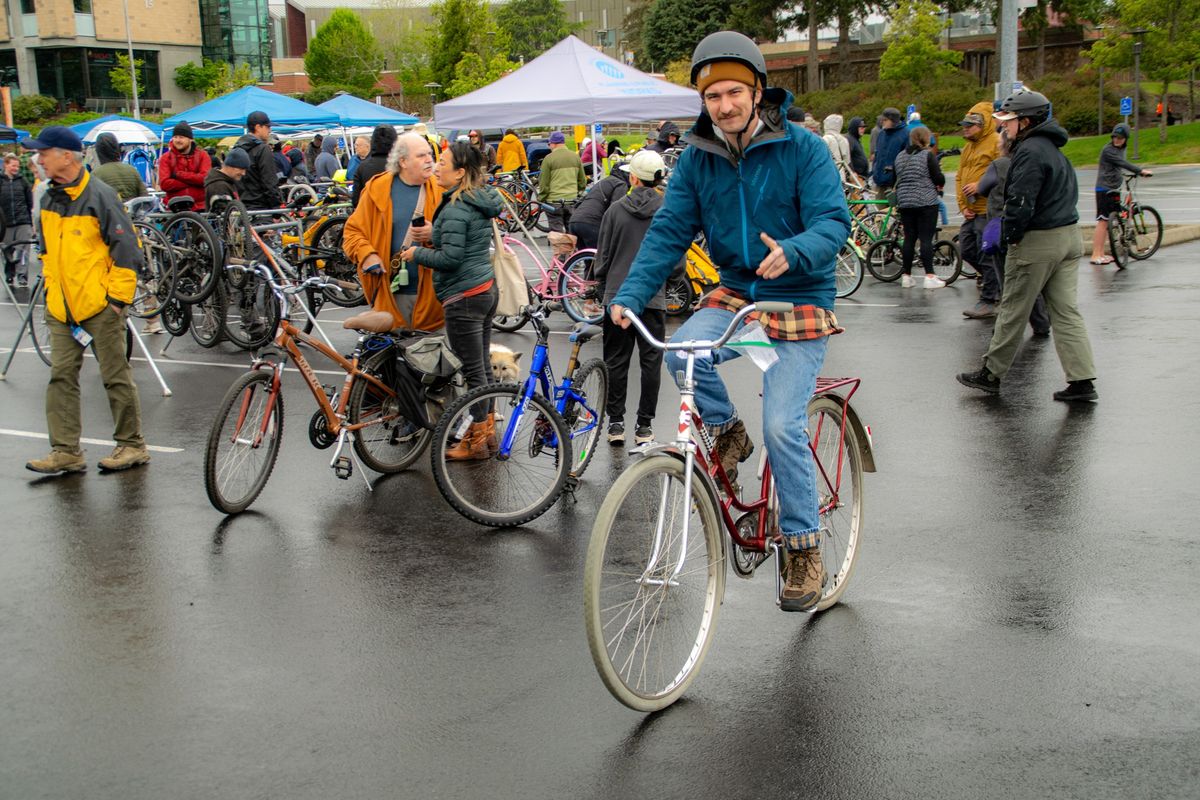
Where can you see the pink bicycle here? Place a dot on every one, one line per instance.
(568, 282)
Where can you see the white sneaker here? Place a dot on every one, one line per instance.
(934, 282)
(907, 281)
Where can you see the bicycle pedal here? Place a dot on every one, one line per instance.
(343, 467)
(569, 487)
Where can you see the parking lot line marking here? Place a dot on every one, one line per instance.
(35, 435)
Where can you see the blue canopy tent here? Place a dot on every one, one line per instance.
(226, 116)
(354, 112)
(8, 134)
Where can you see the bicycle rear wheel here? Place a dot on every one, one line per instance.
(243, 443)
(504, 491)
(176, 317)
(585, 422)
(39, 329)
(680, 295)
(849, 269)
(199, 257)
(1146, 233)
(947, 263)
(578, 289)
(514, 322)
(884, 260)
(334, 262)
(390, 442)
(251, 315)
(839, 492)
(1117, 240)
(650, 596)
(208, 326)
(155, 275)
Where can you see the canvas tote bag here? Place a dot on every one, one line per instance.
(510, 278)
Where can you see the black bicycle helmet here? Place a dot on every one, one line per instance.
(729, 46)
(1120, 129)
(1027, 103)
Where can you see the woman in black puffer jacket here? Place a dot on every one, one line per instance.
(463, 278)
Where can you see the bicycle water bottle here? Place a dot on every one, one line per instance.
(402, 274)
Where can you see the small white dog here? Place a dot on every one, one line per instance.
(505, 364)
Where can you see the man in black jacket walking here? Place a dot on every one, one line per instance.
(16, 210)
(621, 232)
(591, 208)
(1040, 220)
(260, 187)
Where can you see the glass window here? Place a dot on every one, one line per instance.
(83, 6)
(28, 7)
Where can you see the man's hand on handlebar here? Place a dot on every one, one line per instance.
(617, 315)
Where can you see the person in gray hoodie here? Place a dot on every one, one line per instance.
(621, 232)
(327, 163)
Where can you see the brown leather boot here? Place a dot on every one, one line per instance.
(489, 424)
(473, 446)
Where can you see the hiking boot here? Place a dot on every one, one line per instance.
(643, 435)
(982, 380)
(58, 462)
(804, 581)
(907, 281)
(616, 433)
(1077, 391)
(934, 282)
(733, 447)
(124, 457)
(981, 310)
(489, 426)
(473, 446)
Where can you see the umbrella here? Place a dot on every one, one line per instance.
(126, 131)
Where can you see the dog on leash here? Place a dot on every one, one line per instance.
(505, 364)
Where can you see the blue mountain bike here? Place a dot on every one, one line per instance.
(545, 434)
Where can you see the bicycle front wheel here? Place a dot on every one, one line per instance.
(585, 419)
(947, 263)
(39, 329)
(885, 261)
(1117, 240)
(389, 442)
(243, 443)
(208, 326)
(198, 255)
(839, 473)
(504, 490)
(680, 295)
(849, 269)
(651, 595)
(578, 290)
(1146, 233)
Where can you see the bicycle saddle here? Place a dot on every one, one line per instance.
(181, 203)
(583, 332)
(371, 322)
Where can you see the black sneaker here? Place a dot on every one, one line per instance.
(616, 433)
(644, 434)
(1077, 391)
(981, 380)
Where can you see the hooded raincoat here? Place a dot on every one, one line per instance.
(511, 153)
(977, 153)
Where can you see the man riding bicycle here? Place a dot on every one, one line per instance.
(770, 203)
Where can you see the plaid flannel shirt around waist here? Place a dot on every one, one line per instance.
(802, 322)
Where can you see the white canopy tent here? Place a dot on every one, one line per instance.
(569, 84)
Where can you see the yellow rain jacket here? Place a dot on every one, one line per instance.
(511, 153)
(976, 155)
(90, 253)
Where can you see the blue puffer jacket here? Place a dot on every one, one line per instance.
(892, 142)
(785, 185)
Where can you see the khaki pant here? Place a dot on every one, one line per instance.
(1047, 263)
(63, 416)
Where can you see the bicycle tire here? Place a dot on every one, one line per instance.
(540, 459)
(328, 237)
(884, 260)
(155, 275)
(250, 316)
(849, 269)
(208, 318)
(841, 523)
(513, 322)
(1117, 241)
(1147, 231)
(376, 444)
(246, 401)
(577, 289)
(947, 262)
(39, 329)
(199, 255)
(619, 562)
(591, 382)
(176, 317)
(680, 295)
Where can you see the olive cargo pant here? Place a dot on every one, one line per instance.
(1045, 262)
(63, 416)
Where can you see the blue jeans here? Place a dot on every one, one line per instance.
(787, 387)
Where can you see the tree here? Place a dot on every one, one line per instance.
(673, 27)
(913, 52)
(192, 77)
(462, 26)
(122, 80)
(846, 12)
(1035, 20)
(472, 72)
(230, 80)
(1172, 42)
(344, 53)
(635, 23)
(534, 26)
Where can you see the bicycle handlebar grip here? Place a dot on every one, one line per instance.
(773, 307)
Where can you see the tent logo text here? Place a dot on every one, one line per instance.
(608, 69)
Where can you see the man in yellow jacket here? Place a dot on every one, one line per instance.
(90, 257)
(981, 149)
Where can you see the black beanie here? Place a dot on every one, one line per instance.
(183, 129)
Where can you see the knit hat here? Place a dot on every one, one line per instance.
(238, 158)
(725, 71)
(182, 129)
(557, 137)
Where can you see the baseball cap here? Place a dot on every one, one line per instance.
(237, 158)
(647, 165)
(257, 118)
(557, 137)
(1004, 116)
(55, 136)
(971, 119)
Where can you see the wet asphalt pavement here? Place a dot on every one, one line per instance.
(1024, 621)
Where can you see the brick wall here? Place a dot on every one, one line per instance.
(150, 21)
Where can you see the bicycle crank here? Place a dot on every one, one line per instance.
(744, 561)
(318, 431)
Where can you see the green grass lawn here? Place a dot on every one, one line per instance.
(1182, 147)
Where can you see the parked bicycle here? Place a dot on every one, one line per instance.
(567, 281)
(654, 577)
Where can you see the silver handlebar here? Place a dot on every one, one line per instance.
(765, 307)
(315, 282)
